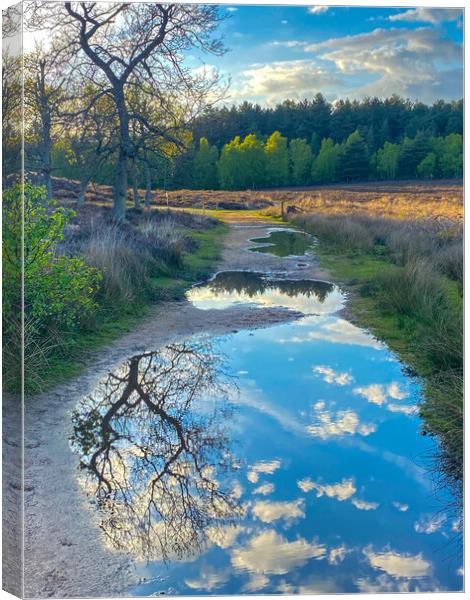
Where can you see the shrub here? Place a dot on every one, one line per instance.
(59, 291)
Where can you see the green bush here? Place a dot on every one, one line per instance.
(58, 290)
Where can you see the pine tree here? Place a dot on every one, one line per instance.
(354, 159)
(277, 160)
(205, 166)
(300, 156)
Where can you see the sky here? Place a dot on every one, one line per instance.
(280, 52)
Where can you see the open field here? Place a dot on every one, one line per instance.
(400, 200)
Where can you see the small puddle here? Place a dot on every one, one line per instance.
(231, 288)
(284, 243)
(279, 460)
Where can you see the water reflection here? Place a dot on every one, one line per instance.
(329, 495)
(284, 243)
(230, 288)
(153, 449)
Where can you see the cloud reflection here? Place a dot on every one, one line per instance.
(273, 511)
(269, 552)
(329, 375)
(398, 565)
(343, 422)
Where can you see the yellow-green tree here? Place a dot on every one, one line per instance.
(277, 160)
(300, 157)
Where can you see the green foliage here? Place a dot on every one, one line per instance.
(387, 161)
(353, 159)
(228, 167)
(277, 160)
(427, 168)
(451, 155)
(58, 290)
(300, 156)
(325, 166)
(205, 166)
(252, 162)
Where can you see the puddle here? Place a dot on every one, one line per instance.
(280, 460)
(231, 288)
(284, 243)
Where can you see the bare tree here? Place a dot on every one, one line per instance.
(47, 77)
(155, 453)
(143, 45)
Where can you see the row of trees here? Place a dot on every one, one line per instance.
(379, 120)
(252, 163)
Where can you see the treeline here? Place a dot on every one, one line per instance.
(378, 120)
(313, 142)
(277, 162)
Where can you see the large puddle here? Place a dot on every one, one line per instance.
(283, 243)
(231, 288)
(281, 460)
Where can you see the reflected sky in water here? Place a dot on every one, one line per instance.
(283, 243)
(232, 288)
(315, 477)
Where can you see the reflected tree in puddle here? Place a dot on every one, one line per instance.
(154, 451)
(284, 243)
(254, 284)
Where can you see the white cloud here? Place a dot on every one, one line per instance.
(363, 505)
(394, 391)
(317, 10)
(401, 507)
(289, 44)
(265, 489)
(374, 393)
(406, 409)
(257, 581)
(416, 63)
(378, 393)
(338, 331)
(266, 467)
(269, 512)
(341, 491)
(224, 537)
(384, 583)
(428, 15)
(278, 80)
(209, 580)
(331, 376)
(306, 485)
(398, 565)
(430, 523)
(337, 555)
(343, 422)
(269, 552)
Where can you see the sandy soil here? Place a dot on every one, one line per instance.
(64, 554)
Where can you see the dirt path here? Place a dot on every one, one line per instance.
(64, 553)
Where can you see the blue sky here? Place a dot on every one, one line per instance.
(279, 52)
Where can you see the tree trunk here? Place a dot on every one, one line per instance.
(120, 186)
(148, 185)
(83, 188)
(135, 189)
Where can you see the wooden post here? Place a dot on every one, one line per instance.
(282, 210)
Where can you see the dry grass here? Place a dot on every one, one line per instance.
(397, 199)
